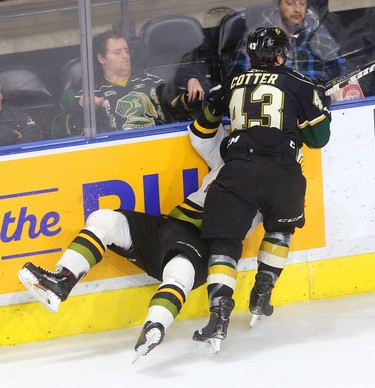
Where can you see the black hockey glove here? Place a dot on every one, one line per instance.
(216, 99)
(192, 106)
(320, 87)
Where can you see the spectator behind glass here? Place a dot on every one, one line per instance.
(125, 100)
(314, 51)
(16, 126)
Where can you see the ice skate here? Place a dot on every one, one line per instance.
(151, 336)
(216, 328)
(260, 296)
(50, 288)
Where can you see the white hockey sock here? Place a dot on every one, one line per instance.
(178, 279)
(74, 262)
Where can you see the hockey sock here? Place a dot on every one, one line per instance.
(85, 251)
(273, 252)
(222, 278)
(166, 304)
(178, 280)
(103, 227)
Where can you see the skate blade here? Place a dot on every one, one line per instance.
(215, 345)
(254, 320)
(154, 337)
(46, 297)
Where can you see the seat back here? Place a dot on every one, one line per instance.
(71, 75)
(24, 88)
(232, 31)
(165, 40)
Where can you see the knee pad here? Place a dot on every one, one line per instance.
(110, 226)
(180, 272)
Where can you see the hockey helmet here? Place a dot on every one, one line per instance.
(264, 44)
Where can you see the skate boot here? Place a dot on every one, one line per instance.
(50, 288)
(151, 336)
(260, 296)
(217, 326)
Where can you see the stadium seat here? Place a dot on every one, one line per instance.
(71, 74)
(232, 30)
(165, 40)
(23, 88)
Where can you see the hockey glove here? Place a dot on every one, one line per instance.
(191, 106)
(216, 98)
(320, 87)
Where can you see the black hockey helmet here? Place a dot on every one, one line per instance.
(264, 44)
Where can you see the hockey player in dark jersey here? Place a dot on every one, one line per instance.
(126, 99)
(273, 110)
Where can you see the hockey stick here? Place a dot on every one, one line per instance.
(339, 82)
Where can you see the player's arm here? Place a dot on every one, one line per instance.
(182, 104)
(178, 101)
(206, 134)
(315, 128)
(316, 134)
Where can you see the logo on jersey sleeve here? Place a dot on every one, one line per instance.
(137, 110)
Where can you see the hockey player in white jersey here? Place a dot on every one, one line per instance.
(166, 247)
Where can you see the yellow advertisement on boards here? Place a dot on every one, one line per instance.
(45, 198)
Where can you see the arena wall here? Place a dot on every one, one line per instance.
(47, 194)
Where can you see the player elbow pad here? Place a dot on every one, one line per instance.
(224, 147)
(327, 113)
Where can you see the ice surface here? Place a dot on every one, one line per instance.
(315, 344)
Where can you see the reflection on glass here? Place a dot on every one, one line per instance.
(38, 38)
(318, 39)
(166, 65)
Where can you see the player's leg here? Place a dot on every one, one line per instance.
(102, 228)
(283, 213)
(227, 217)
(272, 256)
(221, 283)
(178, 281)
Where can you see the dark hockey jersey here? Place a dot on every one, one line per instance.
(206, 137)
(274, 103)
